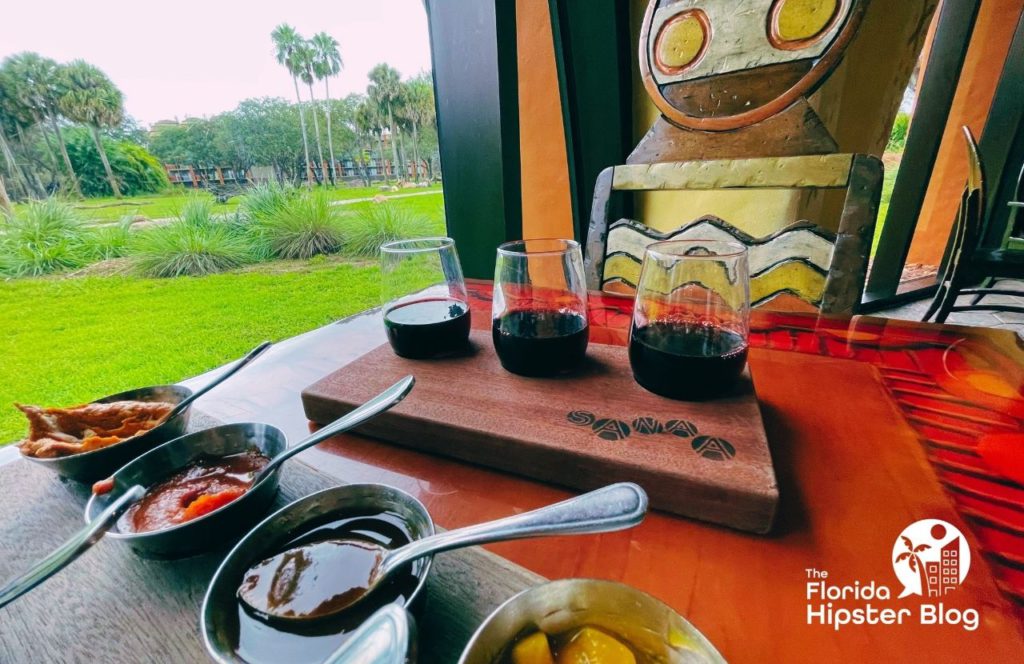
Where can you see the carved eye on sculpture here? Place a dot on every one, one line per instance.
(797, 24)
(719, 65)
(682, 41)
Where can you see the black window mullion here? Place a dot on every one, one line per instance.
(473, 50)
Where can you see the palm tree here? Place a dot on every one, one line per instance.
(8, 126)
(5, 201)
(15, 119)
(287, 43)
(368, 125)
(91, 98)
(38, 89)
(385, 90)
(401, 125)
(327, 63)
(914, 561)
(305, 57)
(17, 177)
(419, 110)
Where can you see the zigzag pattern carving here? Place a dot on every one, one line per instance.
(793, 260)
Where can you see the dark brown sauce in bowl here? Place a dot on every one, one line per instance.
(258, 638)
(313, 580)
(201, 487)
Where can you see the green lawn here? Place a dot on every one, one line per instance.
(157, 206)
(431, 207)
(68, 340)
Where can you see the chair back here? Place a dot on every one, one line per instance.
(968, 227)
(800, 266)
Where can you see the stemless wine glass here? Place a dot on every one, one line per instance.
(424, 296)
(539, 310)
(691, 318)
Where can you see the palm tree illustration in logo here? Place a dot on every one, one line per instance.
(914, 561)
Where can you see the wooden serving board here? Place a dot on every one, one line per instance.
(707, 460)
(112, 606)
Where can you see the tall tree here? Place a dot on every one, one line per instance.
(89, 97)
(385, 90)
(369, 125)
(305, 57)
(11, 118)
(38, 90)
(288, 44)
(327, 63)
(5, 201)
(269, 128)
(418, 110)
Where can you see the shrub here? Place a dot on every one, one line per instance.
(380, 223)
(194, 244)
(136, 170)
(45, 236)
(306, 226)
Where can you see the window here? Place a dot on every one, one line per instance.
(281, 167)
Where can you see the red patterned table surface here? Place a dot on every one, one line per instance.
(953, 385)
(873, 425)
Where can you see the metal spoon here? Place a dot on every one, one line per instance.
(93, 532)
(384, 638)
(71, 549)
(284, 586)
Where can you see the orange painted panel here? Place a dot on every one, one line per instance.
(996, 22)
(547, 209)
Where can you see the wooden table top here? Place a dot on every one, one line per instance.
(872, 424)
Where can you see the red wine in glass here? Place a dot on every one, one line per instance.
(428, 328)
(540, 342)
(686, 360)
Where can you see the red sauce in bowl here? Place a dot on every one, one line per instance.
(201, 487)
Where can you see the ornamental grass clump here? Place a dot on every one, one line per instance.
(381, 223)
(110, 241)
(43, 237)
(194, 244)
(304, 226)
(265, 200)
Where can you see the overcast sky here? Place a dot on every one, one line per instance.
(178, 59)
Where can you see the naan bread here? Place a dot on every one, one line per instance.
(56, 432)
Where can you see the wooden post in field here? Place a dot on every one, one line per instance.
(5, 202)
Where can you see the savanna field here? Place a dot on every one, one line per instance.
(103, 326)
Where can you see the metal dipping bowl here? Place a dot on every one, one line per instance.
(213, 529)
(645, 623)
(221, 613)
(98, 464)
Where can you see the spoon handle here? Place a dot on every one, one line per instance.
(250, 356)
(71, 549)
(615, 507)
(368, 410)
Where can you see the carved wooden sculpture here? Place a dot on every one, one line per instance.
(741, 70)
(731, 80)
(801, 266)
